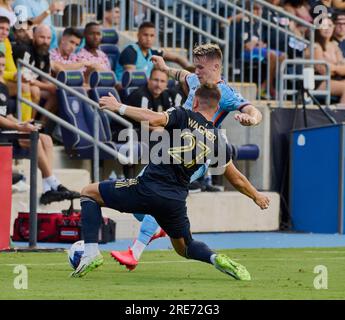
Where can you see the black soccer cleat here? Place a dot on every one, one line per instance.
(68, 194)
(51, 196)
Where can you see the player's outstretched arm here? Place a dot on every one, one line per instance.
(241, 183)
(155, 119)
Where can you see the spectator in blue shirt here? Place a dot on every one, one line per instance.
(39, 11)
(137, 56)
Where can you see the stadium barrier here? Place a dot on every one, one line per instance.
(5, 195)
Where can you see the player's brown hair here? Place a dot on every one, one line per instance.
(209, 93)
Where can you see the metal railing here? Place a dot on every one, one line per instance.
(260, 67)
(297, 80)
(184, 23)
(93, 139)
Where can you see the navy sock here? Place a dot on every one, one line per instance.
(198, 250)
(91, 219)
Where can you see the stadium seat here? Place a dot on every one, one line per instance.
(109, 36)
(113, 53)
(101, 83)
(81, 115)
(132, 80)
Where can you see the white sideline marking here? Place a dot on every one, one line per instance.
(183, 261)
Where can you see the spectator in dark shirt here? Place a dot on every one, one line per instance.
(53, 190)
(37, 54)
(154, 95)
(137, 56)
(339, 31)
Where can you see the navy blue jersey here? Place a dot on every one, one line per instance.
(192, 142)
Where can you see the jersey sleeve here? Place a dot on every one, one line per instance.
(175, 118)
(231, 100)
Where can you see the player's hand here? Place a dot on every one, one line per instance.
(159, 63)
(109, 102)
(262, 201)
(245, 119)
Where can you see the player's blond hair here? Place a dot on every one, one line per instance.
(208, 50)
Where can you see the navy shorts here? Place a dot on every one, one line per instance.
(132, 196)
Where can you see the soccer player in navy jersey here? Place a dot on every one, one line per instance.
(162, 189)
(207, 60)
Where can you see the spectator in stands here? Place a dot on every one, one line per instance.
(321, 7)
(39, 11)
(7, 11)
(29, 91)
(63, 58)
(91, 52)
(300, 9)
(111, 18)
(137, 56)
(23, 33)
(248, 30)
(154, 95)
(73, 16)
(37, 54)
(53, 190)
(339, 31)
(328, 50)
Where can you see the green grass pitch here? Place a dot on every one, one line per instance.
(276, 274)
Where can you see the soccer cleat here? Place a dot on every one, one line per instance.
(125, 258)
(51, 196)
(68, 194)
(160, 234)
(86, 265)
(230, 267)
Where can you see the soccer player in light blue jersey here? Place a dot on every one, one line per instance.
(207, 59)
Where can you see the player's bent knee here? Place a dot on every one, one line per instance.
(91, 191)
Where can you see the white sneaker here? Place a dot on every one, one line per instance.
(87, 264)
(20, 186)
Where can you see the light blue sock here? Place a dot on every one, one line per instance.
(147, 229)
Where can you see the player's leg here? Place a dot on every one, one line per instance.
(91, 219)
(192, 249)
(177, 226)
(149, 229)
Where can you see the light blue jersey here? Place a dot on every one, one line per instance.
(230, 99)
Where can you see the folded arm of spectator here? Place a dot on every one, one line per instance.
(43, 85)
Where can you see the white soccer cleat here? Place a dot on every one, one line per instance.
(87, 264)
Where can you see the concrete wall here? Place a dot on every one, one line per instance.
(258, 172)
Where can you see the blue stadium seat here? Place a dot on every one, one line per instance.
(109, 41)
(81, 115)
(110, 36)
(132, 80)
(101, 84)
(113, 53)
